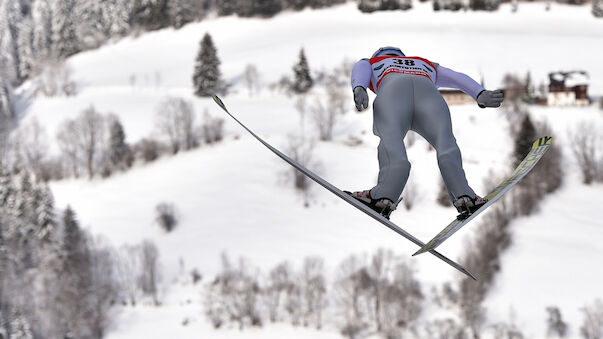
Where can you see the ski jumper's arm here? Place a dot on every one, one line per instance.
(449, 78)
(361, 74)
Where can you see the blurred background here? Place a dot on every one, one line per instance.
(131, 206)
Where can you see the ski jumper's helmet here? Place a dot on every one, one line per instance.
(388, 51)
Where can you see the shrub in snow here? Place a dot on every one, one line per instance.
(55, 79)
(148, 149)
(196, 276)
(232, 297)
(212, 128)
(556, 327)
(165, 215)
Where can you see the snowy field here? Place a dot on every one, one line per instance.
(234, 196)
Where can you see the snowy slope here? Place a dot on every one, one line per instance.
(224, 192)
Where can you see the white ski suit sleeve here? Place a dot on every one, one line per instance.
(449, 78)
(361, 74)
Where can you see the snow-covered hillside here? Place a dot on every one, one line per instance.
(234, 197)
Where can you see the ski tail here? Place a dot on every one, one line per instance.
(539, 147)
(344, 196)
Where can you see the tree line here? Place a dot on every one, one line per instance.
(56, 280)
(376, 295)
(94, 144)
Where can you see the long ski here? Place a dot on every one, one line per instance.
(539, 147)
(344, 196)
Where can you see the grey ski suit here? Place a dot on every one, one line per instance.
(408, 99)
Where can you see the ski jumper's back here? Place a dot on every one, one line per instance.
(382, 66)
(408, 99)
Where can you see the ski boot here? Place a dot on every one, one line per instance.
(383, 206)
(467, 205)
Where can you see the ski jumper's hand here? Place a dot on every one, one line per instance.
(490, 98)
(361, 79)
(360, 98)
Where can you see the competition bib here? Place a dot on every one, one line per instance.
(385, 65)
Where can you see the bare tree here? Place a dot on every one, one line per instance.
(592, 325)
(67, 140)
(584, 142)
(443, 197)
(410, 194)
(90, 129)
(128, 269)
(251, 77)
(313, 287)
(280, 283)
(351, 284)
(104, 284)
(174, 120)
(325, 115)
(31, 143)
(149, 280)
(300, 150)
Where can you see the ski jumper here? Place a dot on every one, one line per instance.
(408, 99)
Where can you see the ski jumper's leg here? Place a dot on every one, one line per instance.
(432, 121)
(392, 118)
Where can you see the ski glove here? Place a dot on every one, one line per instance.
(360, 98)
(490, 98)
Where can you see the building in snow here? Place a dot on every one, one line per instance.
(568, 89)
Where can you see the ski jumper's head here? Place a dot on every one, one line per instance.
(383, 51)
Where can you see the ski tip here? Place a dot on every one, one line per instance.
(469, 274)
(544, 141)
(422, 250)
(219, 101)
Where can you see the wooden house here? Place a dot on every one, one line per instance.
(568, 89)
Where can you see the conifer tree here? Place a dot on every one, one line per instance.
(45, 213)
(64, 37)
(227, 7)
(303, 81)
(89, 25)
(182, 12)
(245, 8)
(118, 148)
(25, 48)
(10, 17)
(267, 8)
(42, 29)
(597, 8)
(116, 17)
(150, 14)
(524, 139)
(206, 77)
(74, 249)
(296, 4)
(19, 327)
